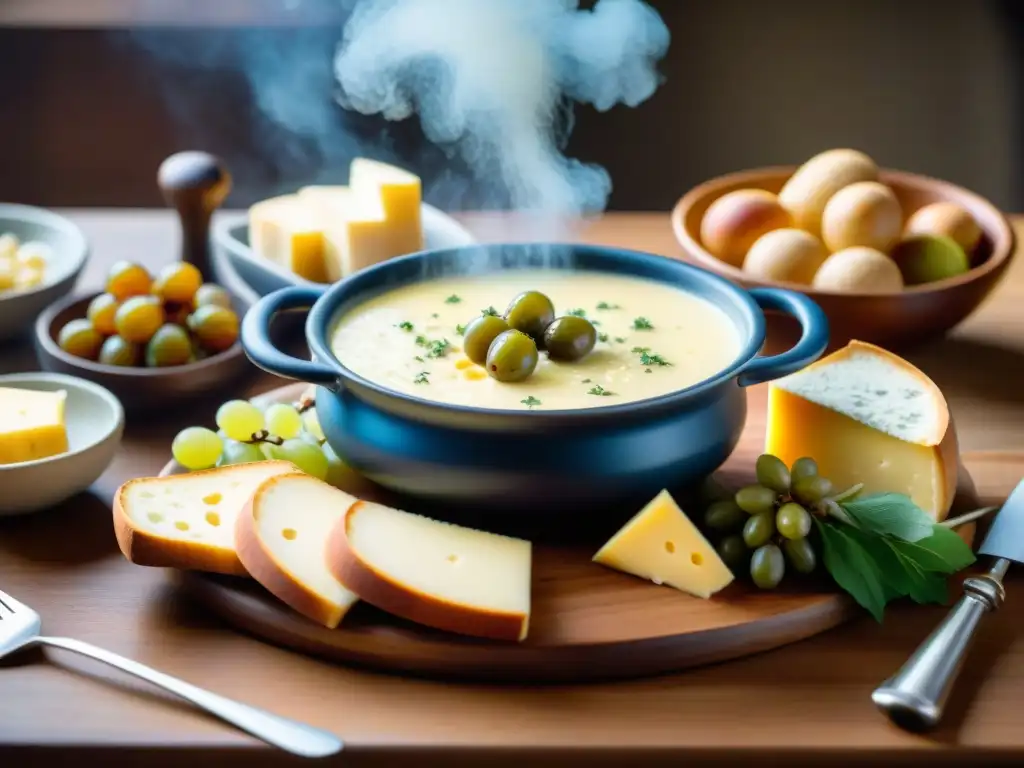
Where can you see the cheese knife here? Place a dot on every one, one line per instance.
(914, 698)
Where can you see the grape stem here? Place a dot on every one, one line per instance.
(263, 436)
(305, 405)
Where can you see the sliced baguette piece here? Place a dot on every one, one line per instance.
(188, 521)
(436, 574)
(281, 537)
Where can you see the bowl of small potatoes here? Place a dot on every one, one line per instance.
(42, 255)
(156, 340)
(893, 258)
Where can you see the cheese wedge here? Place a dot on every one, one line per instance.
(188, 521)
(281, 536)
(433, 573)
(662, 545)
(31, 424)
(868, 416)
(287, 232)
(400, 195)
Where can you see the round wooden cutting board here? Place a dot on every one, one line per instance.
(588, 622)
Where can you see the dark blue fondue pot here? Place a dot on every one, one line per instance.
(532, 460)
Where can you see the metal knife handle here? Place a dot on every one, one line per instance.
(915, 696)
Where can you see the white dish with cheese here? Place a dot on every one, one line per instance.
(58, 434)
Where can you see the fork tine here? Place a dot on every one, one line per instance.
(10, 603)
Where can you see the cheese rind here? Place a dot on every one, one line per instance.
(867, 416)
(437, 574)
(281, 538)
(661, 544)
(188, 521)
(32, 424)
(284, 230)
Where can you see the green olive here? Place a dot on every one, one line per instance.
(479, 334)
(569, 338)
(170, 345)
(117, 351)
(511, 357)
(530, 312)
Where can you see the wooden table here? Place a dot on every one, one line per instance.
(802, 704)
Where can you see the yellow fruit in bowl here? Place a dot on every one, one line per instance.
(787, 255)
(945, 218)
(859, 270)
(865, 214)
(927, 258)
(814, 183)
(734, 221)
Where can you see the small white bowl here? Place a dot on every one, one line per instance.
(95, 423)
(69, 252)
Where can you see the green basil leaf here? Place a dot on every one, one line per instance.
(853, 568)
(942, 552)
(892, 514)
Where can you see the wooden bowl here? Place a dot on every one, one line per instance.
(897, 320)
(138, 389)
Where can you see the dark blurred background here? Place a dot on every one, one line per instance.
(931, 86)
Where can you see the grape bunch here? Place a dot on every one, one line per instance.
(247, 433)
(765, 527)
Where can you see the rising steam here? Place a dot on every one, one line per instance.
(489, 78)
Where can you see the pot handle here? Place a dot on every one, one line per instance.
(261, 350)
(812, 343)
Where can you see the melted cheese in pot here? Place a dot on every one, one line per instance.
(409, 340)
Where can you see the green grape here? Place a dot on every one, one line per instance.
(793, 521)
(283, 420)
(773, 473)
(759, 529)
(811, 490)
(767, 566)
(710, 490)
(755, 499)
(197, 448)
(734, 552)
(239, 453)
(724, 517)
(802, 468)
(239, 419)
(307, 457)
(270, 451)
(800, 554)
(312, 424)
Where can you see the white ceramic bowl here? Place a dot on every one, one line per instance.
(70, 250)
(95, 422)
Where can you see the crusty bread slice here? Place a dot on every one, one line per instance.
(188, 521)
(436, 574)
(281, 537)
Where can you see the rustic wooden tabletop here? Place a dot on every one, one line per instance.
(805, 704)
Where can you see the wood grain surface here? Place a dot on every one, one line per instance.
(805, 704)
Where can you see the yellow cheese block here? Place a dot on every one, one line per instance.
(285, 231)
(31, 425)
(661, 544)
(400, 195)
(867, 416)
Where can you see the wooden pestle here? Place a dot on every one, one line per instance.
(195, 184)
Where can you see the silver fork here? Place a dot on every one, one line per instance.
(20, 627)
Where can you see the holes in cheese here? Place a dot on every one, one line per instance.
(281, 537)
(662, 545)
(867, 416)
(436, 574)
(166, 521)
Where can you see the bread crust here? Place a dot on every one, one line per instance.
(380, 590)
(144, 548)
(273, 575)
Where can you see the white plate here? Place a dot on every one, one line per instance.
(231, 245)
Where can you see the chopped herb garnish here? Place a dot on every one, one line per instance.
(602, 337)
(421, 378)
(530, 401)
(646, 358)
(620, 340)
(647, 370)
(421, 341)
(434, 315)
(460, 329)
(585, 381)
(577, 312)
(606, 305)
(438, 348)
(491, 311)
(453, 299)
(418, 359)
(405, 326)
(597, 389)
(642, 324)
